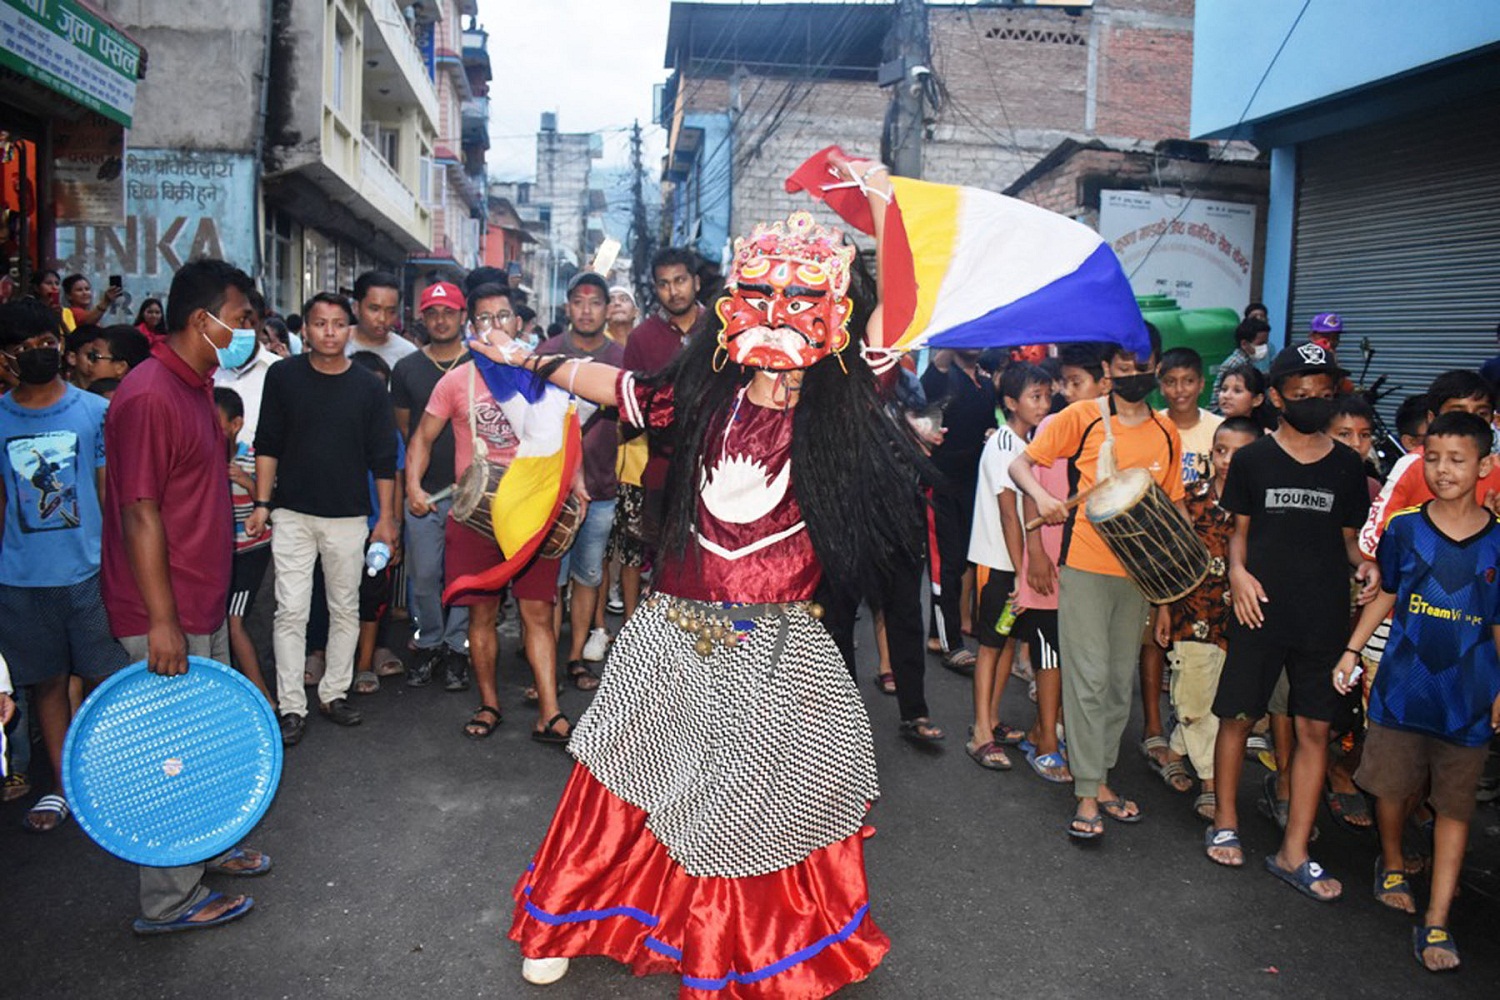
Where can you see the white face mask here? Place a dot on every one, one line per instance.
(1259, 352)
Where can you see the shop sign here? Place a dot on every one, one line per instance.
(88, 171)
(179, 204)
(67, 48)
(1197, 251)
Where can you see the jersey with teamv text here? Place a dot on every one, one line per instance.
(1440, 672)
(1295, 547)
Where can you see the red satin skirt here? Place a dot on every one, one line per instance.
(602, 884)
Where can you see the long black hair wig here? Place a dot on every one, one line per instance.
(855, 470)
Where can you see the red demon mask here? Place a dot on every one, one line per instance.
(787, 305)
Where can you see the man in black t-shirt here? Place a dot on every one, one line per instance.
(967, 394)
(325, 429)
(1299, 499)
(441, 635)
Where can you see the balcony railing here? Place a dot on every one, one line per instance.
(383, 179)
(398, 37)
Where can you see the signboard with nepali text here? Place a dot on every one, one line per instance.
(68, 48)
(1199, 252)
(179, 204)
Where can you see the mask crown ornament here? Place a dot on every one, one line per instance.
(818, 251)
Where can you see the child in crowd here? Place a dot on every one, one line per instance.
(1181, 385)
(1298, 498)
(995, 542)
(375, 588)
(1242, 393)
(1353, 425)
(1101, 611)
(1194, 629)
(1081, 375)
(1411, 422)
(1435, 705)
(108, 353)
(252, 556)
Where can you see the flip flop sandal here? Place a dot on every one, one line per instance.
(1223, 839)
(17, 786)
(989, 755)
(1175, 769)
(1148, 747)
(1204, 805)
(185, 922)
(1095, 827)
(1302, 878)
(960, 661)
(1392, 883)
(366, 682)
(1047, 765)
(47, 804)
(1009, 736)
(1276, 809)
(1115, 810)
(1432, 936)
(388, 664)
(549, 733)
(530, 696)
(477, 728)
(1344, 806)
(584, 679)
(920, 730)
(240, 854)
(886, 683)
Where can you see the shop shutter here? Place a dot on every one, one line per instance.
(1398, 231)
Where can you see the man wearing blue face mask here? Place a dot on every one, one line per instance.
(242, 367)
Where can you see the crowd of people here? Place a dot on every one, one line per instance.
(1343, 640)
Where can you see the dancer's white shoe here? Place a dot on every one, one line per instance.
(543, 971)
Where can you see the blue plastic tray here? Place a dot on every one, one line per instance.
(168, 771)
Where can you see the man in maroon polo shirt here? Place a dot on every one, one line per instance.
(169, 536)
(651, 347)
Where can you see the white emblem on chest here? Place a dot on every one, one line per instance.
(738, 491)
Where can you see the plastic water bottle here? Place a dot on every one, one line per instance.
(1007, 619)
(377, 556)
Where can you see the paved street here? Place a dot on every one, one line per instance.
(396, 845)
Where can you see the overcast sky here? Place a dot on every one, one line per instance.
(594, 62)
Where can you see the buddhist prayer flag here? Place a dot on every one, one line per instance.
(964, 267)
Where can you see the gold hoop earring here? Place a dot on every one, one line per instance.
(721, 358)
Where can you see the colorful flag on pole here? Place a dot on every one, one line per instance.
(964, 267)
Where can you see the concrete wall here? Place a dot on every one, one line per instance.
(1338, 46)
(202, 86)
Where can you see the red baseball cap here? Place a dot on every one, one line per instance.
(441, 294)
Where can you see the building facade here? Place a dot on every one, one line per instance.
(1383, 131)
(755, 90)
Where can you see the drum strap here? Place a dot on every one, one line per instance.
(481, 449)
(1106, 465)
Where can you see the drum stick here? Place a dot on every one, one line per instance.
(441, 495)
(1037, 522)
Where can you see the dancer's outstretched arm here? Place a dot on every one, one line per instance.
(589, 379)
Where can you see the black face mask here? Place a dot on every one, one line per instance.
(39, 365)
(1308, 416)
(1134, 388)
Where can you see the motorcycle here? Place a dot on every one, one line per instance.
(1387, 446)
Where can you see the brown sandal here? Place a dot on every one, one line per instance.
(584, 679)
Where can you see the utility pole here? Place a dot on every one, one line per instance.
(640, 247)
(907, 71)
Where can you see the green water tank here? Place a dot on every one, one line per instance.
(1210, 332)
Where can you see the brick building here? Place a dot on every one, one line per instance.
(755, 90)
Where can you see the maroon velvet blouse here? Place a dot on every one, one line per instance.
(751, 544)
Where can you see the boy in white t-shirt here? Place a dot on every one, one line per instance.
(995, 547)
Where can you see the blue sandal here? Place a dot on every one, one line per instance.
(185, 922)
(1438, 938)
(1045, 763)
(1223, 838)
(1392, 883)
(1303, 878)
(240, 854)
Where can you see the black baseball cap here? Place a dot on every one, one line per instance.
(589, 278)
(1304, 359)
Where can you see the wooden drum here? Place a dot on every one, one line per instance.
(473, 494)
(564, 530)
(1153, 541)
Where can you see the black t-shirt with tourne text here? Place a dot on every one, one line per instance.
(1295, 548)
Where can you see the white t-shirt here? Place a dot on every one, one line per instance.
(1197, 446)
(394, 349)
(986, 537)
(250, 383)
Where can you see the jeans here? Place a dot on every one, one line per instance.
(424, 568)
(585, 560)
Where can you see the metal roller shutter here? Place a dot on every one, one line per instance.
(1398, 231)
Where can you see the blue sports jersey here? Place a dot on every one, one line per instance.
(1440, 672)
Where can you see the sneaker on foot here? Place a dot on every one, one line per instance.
(597, 645)
(542, 971)
(615, 605)
(455, 672)
(420, 674)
